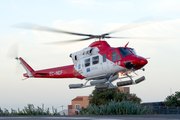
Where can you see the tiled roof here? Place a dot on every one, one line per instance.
(78, 99)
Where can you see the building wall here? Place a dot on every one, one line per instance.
(124, 89)
(81, 100)
(70, 110)
(84, 103)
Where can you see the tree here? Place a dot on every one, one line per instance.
(103, 96)
(173, 100)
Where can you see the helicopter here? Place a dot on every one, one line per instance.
(99, 63)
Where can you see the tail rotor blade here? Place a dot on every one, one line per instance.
(13, 51)
(13, 54)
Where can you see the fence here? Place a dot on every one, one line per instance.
(164, 110)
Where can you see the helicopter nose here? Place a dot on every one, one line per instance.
(143, 62)
(136, 63)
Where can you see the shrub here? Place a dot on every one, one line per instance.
(103, 96)
(115, 108)
(29, 110)
(173, 100)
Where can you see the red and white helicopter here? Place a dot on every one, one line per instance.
(99, 63)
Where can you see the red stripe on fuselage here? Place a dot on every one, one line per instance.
(59, 72)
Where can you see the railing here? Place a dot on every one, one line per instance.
(154, 110)
(164, 110)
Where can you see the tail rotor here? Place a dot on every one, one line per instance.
(13, 51)
(13, 54)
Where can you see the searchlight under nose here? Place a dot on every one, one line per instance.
(135, 62)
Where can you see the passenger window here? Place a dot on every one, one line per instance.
(114, 56)
(104, 58)
(95, 60)
(87, 62)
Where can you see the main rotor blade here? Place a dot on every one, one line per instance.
(138, 23)
(69, 41)
(42, 28)
(145, 38)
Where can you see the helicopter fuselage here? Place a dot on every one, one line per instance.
(98, 62)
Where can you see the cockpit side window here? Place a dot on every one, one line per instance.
(104, 58)
(119, 58)
(114, 56)
(87, 62)
(124, 52)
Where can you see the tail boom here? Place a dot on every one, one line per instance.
(58, 72)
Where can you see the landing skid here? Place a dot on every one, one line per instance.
(104, 83)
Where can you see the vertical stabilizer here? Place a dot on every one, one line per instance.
(26, 67)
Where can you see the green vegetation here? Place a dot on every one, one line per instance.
(173, 100)
(29, 110)
(103, 96)
(115, 108)
(113, 102)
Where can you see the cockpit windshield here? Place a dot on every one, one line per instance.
(132, 50)
(124, 52)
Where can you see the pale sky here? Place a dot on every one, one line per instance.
(85, 16)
